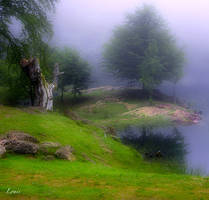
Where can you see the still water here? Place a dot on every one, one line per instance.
(188, 144)
(197, 140)
(196, 136)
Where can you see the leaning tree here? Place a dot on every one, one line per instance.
(144, 50)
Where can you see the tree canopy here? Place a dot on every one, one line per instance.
(143, 49)
(76, 70)
(32, 17)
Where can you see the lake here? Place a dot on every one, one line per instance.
(188, 144)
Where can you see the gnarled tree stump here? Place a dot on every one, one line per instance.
(41, 90)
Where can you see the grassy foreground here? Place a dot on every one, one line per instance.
(104, 168)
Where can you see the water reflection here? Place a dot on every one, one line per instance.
(165, 144)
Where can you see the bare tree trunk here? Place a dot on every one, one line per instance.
(42, 92)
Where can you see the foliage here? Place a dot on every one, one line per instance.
(34, 24)
(16, 82)
(15, 85)
(35, 29)
(143, 49)
(76, 70)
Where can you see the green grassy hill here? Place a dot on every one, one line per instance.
(104, 168)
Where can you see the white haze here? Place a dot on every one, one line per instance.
(88, 24)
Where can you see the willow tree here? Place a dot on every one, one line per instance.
(31, 15)
(143, 49)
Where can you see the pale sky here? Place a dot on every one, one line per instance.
(75, 18)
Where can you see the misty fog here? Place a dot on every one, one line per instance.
(87, 25)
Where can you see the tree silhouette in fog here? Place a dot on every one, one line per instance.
(144, 50)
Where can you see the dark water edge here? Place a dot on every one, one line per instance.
(177, 144)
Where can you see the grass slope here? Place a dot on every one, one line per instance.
(104, 168)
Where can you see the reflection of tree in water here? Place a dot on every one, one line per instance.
(161, 143)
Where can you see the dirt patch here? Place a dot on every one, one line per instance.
(147, 111)
(173, 112)
(105, 88)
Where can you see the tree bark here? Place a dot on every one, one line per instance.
(41, 91)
